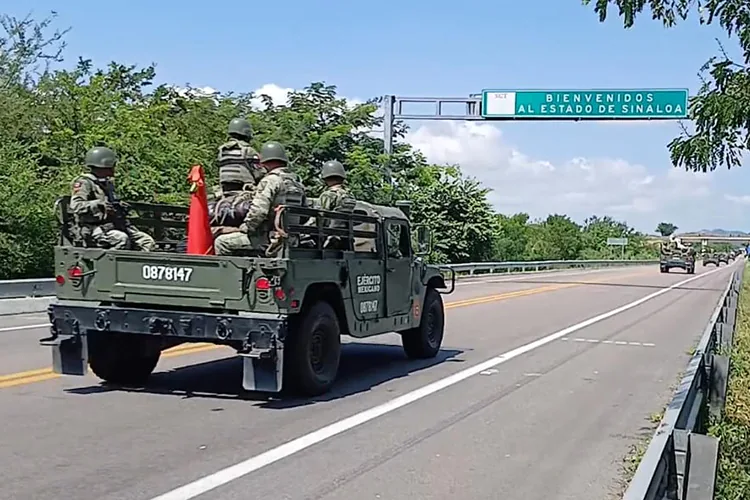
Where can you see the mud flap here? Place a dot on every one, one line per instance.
(69, 355)
(264, 371)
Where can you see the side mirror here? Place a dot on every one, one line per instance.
(423, 240)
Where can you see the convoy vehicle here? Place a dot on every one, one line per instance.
(355, 274)
(710, 258)
(674, 257)
(723, 257)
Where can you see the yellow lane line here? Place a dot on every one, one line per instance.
(42, 374)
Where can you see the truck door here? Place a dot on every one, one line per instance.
(398, 267)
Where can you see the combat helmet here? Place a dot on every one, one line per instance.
(332, 168)
(240, 127)
(273, 151)
(100, 157)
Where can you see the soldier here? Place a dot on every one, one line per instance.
(335, 196)
(237, 161)
(94, 206)
(279, 186)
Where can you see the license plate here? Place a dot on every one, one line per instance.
(166, 273)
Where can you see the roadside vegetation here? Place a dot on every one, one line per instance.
(53, 107)
(734, 429)
(718, 133)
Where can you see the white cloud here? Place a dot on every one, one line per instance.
(579, 187)
(279, 94)
(195, 91)
(739, 200)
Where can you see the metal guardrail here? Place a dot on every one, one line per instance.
(30, 288)
(473, 268)
(681, 461)
(45, 287)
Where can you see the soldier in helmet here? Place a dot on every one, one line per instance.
(335, 196)
(238, 161)
(279, 186)
(93, 206)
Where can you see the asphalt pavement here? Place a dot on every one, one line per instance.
(543, 384)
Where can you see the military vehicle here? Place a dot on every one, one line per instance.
(674, 257)
(723, 257)
(357, 274)
(710, 258)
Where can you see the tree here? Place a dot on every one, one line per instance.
(719, 110)
(511, 237)
(555, 238)
(666, 228)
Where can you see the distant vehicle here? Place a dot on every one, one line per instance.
(672, 257)
(723, 257)
(710, 258)
(360, 276)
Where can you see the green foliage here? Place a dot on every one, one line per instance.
(719, 110)
(666, 228)
(734, 428)
(49, 118)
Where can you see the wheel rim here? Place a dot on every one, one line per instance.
(432, 325)
(317, 351)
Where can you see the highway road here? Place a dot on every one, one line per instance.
(543, 385)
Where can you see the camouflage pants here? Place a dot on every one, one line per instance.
(118, 240)
(228, 244)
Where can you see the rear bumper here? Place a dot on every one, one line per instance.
(258, 337)
(254, 328)
(676, 263)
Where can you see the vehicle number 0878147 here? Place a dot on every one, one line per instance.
(166, 273)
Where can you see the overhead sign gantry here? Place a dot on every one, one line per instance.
(544, 105)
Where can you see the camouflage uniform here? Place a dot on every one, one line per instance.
(237, 161)
(279, 186)
(336, 196)
(91, 206)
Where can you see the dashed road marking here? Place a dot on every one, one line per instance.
(611, 342)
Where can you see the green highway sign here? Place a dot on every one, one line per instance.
(617, 241)
(633, 104)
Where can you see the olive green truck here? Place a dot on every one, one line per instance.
(358, 274)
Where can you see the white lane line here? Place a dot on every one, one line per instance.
(24, 327)
(229, 474)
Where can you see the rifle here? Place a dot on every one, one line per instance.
(121, 210)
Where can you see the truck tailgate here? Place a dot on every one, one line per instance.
(156, 278)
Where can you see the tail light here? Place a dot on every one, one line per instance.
(75, 272)
(264, 284)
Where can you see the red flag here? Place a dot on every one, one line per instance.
(200, 240)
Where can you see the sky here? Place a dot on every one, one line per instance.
(448, 49)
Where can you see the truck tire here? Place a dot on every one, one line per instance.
(663, 269)
(424, 341)
(313, 351)
(122, 359)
